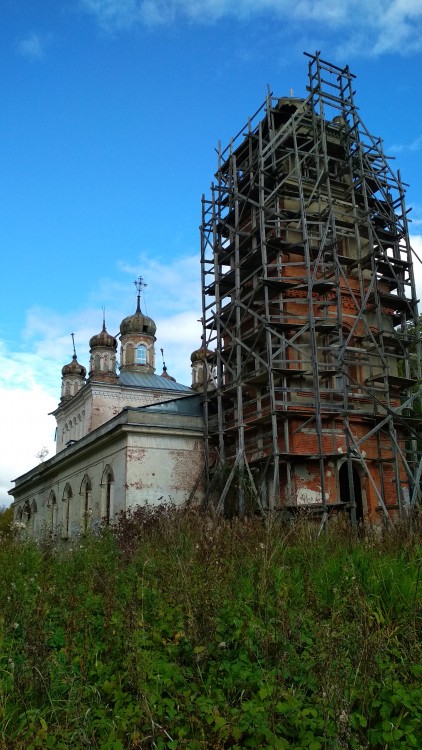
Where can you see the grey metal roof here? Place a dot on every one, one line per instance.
(190, 405)
(151, 381)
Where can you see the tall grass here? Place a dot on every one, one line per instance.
(178, 629)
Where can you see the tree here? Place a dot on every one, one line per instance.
(6, 518)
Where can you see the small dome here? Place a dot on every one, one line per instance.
(103, 340)
(165, 374)
(339, 120)
(74, 368)
(200, 354)
(138, 323)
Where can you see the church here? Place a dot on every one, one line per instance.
(306, 389)
(125, 437)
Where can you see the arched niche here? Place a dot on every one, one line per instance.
(107, 495)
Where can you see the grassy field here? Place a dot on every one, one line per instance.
(184, 631)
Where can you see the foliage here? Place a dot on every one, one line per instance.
(6, 518)
(183, 630)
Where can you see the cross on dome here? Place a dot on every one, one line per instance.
(140, 285)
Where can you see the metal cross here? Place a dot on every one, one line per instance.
(140, 284)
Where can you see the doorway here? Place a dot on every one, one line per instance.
(346, 494)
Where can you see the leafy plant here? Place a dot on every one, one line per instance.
(179, 629)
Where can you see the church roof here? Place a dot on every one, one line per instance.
(152, 381)
(188, 405)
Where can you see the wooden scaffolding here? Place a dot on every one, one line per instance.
(310, 313)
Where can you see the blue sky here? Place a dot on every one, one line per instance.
(110, 114)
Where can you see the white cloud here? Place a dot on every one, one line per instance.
(398, 25)
(32, 47)
(24, 407)
(414, 145)
(173, 299)
(113, 14)
(369, 28)
(172, 285)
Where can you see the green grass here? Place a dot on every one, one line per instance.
(185, 631)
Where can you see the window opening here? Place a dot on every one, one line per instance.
(141, 354)
(67, 497)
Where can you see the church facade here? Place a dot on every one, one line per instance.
(123, 438)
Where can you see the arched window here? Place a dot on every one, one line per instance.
(141, 354)
(107, 488)
(52, 504)
(67, 500)
(86, 492)
(27, 512)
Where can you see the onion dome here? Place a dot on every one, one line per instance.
(200, 354)
(74, 368)
(102, 363)
(103, 340)
(202, 360)
(138, 323)
(73, 377)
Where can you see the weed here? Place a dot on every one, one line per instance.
(177, 629)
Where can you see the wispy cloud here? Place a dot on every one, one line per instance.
(32, 47)
(114, 14)
(374, 28)
(172, 285)
(415, 145)
(173, 299)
